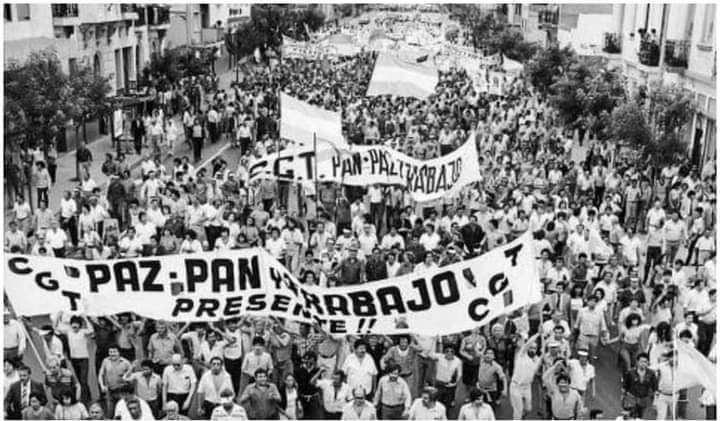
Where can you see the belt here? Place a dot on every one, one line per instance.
(666, 394)
(393, 406)
(406, 374)
(327, 357)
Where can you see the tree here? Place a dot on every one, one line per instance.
(90, 101)
(38, 99)
(586, 94)
(670, 108)
(548, 65)
(630, 126)
(510, 42)
(269, 23)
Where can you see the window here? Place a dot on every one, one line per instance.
(23, 11)
(708, 28)
(8, 12)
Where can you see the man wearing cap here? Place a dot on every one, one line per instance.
(582, 375)
(178, 380)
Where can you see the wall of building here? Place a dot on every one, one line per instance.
(39, 25)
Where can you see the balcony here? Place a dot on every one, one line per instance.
(612, 43)
(649, 53)
(128, 11)
(548, 18)
(65, 14)
(676, 54)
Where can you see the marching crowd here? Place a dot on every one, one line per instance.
(625, 251)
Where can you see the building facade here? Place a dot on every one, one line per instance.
(673, 43)
(116, 40)
(197, 24)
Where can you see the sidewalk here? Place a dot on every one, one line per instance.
(66, 162)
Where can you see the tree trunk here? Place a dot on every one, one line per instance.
(77, 163)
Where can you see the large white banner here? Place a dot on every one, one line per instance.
(393, 76)
(231, 283)
(364, 165)
(301, 121)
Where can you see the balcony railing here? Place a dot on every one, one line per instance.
(649, 53)
(676, 53)
(612, 43)
(65, 10)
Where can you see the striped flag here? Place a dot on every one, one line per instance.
(300, 120)
(393, 76)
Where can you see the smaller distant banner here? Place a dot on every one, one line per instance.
(364, 165)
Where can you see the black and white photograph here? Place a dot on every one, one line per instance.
(359, 211)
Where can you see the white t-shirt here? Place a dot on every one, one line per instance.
(429, 242)
(56, 239)
(360, 372)
(78, 343)
(579, 375)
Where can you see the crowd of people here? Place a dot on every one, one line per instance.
(625, 252)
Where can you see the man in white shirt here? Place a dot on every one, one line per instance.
(68, 211)
(360, 369)
(179, 383)
(429, 239)
(335, 395)
(145, 229)
(367, 240)
(56, 238)
(582, 375)
(426, 407)
(130, 244)
(212, 383)
(448, 371)
(391, 239)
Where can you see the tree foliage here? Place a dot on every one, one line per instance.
(671, 108)
(586, 94)
(630, 126)
(268, 24)
(177, 63)
(548, 66)
(38, 98)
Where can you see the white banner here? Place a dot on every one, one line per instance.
(232, 283)
(300, 121)
(364, 165)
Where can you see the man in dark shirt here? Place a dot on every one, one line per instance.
(375, 268)
(261, 399)
(634, 292)
(639, 386)
(351, 270)
(472, 235)
(306, 377)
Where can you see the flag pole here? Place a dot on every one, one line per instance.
(315, 178)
